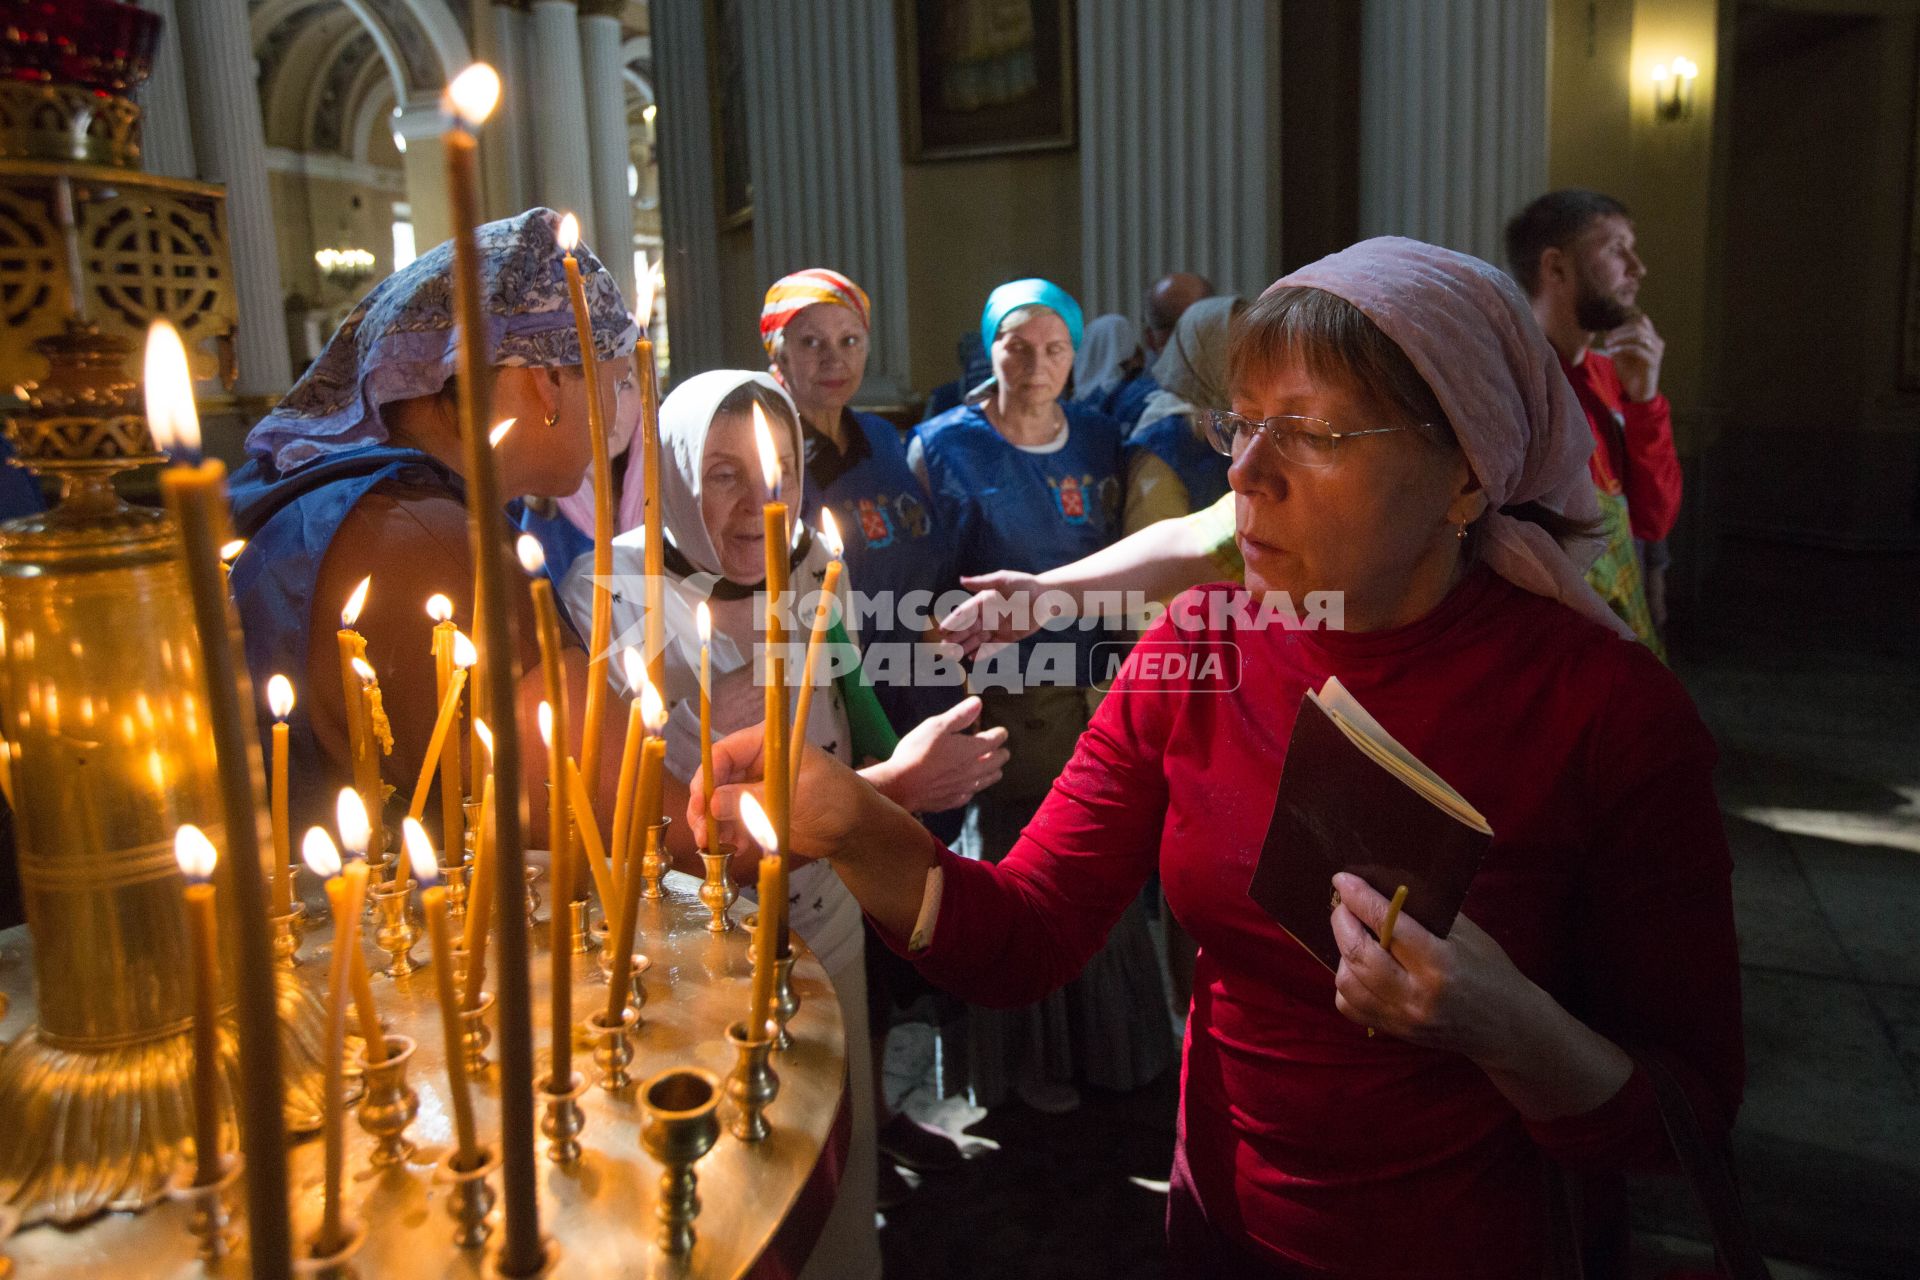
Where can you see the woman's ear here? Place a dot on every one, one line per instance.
(1470, 501)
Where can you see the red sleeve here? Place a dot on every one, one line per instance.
(1009, 933)
(1651, 478)
(1653, 922)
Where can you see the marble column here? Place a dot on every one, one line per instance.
(511, 34)
(564, 179)
(823, 146)
(166, 142)
(1179, 146)
(231, 148)
(1453, 119)
(687, 213)
(607, 143)
(421, 125)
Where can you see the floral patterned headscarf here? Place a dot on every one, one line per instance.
(400, 341)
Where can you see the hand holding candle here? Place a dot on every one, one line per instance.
(280, 702)
(196, 856)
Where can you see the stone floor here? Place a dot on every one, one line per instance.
(1808, 670)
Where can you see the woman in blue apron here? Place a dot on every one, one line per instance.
(358, 473)
(1021, 480)
(1174, 471)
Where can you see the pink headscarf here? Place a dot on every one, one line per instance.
(1471, 335)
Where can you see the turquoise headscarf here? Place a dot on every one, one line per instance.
(1015, 294)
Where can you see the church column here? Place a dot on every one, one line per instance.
(166, 134)
(231, 146)
(564, 179)
(505, 24)
(606, 92)
(421, 124)
(1453, 119)
(823, 146)
(1179, 146)
(687, 217)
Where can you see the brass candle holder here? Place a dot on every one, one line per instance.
(681, 1109)
(577, 921)
(286, 935)
(475, 1035)
(564, 1120)
(653, 864)
(637, 967)
(752, 1086)
(397, 933)
(455, 875)
(470, 1196)
(210, 1219)
(717, 892)
(612, 1049)
(332, 1259)
(390, 1103)
(786, 1001)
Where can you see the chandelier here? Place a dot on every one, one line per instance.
(344, 267)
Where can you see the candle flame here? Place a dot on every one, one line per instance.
(652, 709)
(499, 432)
(636, 668)
(705, 616)
(830, 534)
(474, 93)
(439, 608)
(532, 558)
(757, 825)
(426, 867)
(320, 854)
(569, 233)
(546, 723)
(485, 735)
(280, 697)
(194, 852)
(355, 602)
(350, 815)
(363, 669)
(464, 654)
(230, 551)
(643, 310)
(171, 415)
(769, 456)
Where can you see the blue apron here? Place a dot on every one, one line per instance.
(1006, 508)
(1202, 470)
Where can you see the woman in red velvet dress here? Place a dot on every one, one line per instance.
(1402, 434)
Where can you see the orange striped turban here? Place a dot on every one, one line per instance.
(790, 295)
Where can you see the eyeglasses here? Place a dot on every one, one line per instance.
(1307, 442)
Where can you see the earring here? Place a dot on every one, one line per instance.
(1461, 532)
(553, 418)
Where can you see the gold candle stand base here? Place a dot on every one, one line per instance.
(752, 1086)
(564, 1121)
(470, 1196)
(454, 875)
(716, 890)
(390, 1103)
(475, 1035)
(637, 968)
(682, 1123)
(337, 1262)
(211, 1221)
(612, 1050)
(577, 920)
(786, 1003)
(397, 934)
(653, 864)
(286, 935)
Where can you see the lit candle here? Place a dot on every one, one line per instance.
(706, 714)
(822, 618)
(559, 931)
(480, 887)
(600, 632)
(636, 669)
(654, 548)
(350, 816)
(195, 493)
(353, 650)
(463, 659)
(196, 856)
(446, 641)
(229, 552)
(771, 920)
(472, 95)
(653, 757)
(433, 900)
(773, 518)
(344, 889)
(280, 702)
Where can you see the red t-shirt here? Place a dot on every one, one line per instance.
(1633, 446)
(1607, 881)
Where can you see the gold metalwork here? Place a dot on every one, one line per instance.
(533, 898)
(565, 1118)
(211, 1221)
(653, 864)
(475, 1035)
(68, 122)
(286, 935)
(786, 1001)
(337, 1262)
(717, 890)
(681, 1126)
(612, 1050)
(752, 1085)
(390, 1103)
(455, 875)
(577, 921)
(397, 934)
(636, 989)
(470, 1196)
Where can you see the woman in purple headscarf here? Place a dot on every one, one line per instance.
(1401, 434)
(358, 472)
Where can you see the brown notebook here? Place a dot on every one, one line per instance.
(1352, 799)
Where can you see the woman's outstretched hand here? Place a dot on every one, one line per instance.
(1005, 608)
(939, 764)
(828, 797)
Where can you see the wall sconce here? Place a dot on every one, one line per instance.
(1673, 89)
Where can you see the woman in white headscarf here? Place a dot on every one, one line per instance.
(1108, 357)
(712, 490)
(1401, 434)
